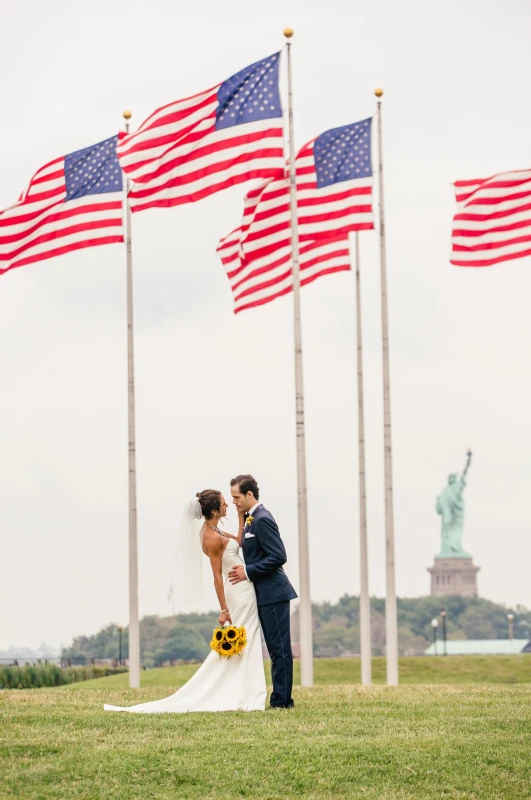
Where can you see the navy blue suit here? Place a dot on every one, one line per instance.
(264, 555)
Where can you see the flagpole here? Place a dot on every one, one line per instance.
(305, 603)
(365, 604)
(134, 628)
(391, 633)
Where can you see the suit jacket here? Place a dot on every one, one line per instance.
(264, 554)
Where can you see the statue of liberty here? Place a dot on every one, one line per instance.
(451, 507)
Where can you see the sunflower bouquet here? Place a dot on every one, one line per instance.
(228, 641)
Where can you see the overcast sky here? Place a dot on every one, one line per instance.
(215, 393)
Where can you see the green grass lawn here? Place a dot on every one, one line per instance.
(471, 742)
(335, 671)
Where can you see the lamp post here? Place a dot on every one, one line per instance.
(443, 617)
(434, 625)
(120, 629)
(510, 620)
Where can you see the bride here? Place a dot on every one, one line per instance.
(220, 684)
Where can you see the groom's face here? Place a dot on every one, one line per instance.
(243, 502)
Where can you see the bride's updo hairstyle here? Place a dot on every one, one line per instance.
(210, 501)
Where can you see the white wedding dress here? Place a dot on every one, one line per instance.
(222, 684)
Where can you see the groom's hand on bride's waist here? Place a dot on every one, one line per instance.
(237, 574)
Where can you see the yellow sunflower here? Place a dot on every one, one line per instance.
(232, 633)
(226, 649)
(241, 641)
(218, 637)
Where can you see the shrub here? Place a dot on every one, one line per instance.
(37, 676)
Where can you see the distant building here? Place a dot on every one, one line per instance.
(480, 647)
(453, 576)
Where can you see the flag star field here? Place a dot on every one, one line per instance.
(250, 95)
(343, 154)
(93, 170)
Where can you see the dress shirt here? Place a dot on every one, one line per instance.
(249, 514)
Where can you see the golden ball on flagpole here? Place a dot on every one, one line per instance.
(378, 92)
(288, 33)
(127, 115)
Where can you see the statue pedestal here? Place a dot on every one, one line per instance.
(454, 576)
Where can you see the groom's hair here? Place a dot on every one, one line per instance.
(247, 484)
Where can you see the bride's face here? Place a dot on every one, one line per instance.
(223, 507)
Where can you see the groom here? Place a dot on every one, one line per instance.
(264, 554)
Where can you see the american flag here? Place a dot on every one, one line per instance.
(72, 202)
(264, 282)
(193, 148)
(493, 221)
(334, 197)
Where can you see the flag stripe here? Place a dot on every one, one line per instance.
(166, 197)
(509, 211)
(170, 165)
(164, 116)
(262, 281)
(490, 262)
(281, 283)
(308, 252)
(496, 181)
(482, 243)
(189, 170)
(194, 185)
(475, 228)
(268, 295)
(493, 219)
(319, 254)
(492, 245)
(51, 231)
(24, 233)
(69, 247)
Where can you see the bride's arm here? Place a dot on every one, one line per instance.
(215, 555)
(241, 526)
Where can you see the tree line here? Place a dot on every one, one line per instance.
(185, 637)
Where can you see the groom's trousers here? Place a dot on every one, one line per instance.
(275, 619)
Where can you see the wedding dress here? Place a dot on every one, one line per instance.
(223, 684)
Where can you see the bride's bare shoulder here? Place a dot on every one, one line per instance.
(211, 543)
